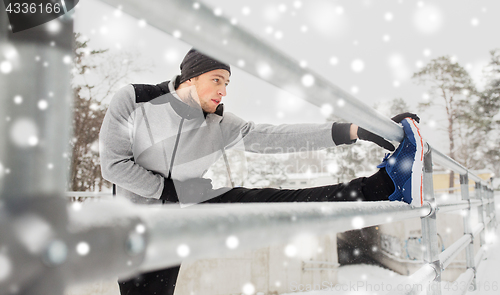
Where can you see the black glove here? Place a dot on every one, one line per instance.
(193, 190)
(400, 117)
(364, 134)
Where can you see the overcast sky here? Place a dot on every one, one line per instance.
(369, 48)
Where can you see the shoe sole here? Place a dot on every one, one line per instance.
(417, 189)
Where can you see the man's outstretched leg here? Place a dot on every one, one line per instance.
(399, 179)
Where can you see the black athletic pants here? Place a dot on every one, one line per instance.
(377, 187)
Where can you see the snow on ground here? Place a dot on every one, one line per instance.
(356, 279)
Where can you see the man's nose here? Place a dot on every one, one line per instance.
(222, 91)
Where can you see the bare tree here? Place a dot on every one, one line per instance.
(97, 74)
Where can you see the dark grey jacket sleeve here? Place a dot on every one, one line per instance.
(115, 147)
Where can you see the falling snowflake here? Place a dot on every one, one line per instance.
(6, 67)
(326, 110)
(264, 70)
(428, 19)
(177, 34)
(388, 16)
(354, 89)
(217, 11)
(386, 38)
(248, 289)
(357, 65)
(83, 248)
(232, 242)
(474, 22)
(357, 222)
(171, 56)
(24, 132)
(308, 80)
(18, 99)
(290, 250)
(140, 228)
(245, 10)
(334, 60)
(43, 104)
(76, 206)
(67, 59)
(183, 250)
(54, 26)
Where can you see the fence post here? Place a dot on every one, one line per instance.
(429, 228)
(469, 251)
(35, 96)
(480, 210)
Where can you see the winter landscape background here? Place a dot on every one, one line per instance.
(368, 48)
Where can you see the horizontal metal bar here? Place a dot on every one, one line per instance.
(477, 229)
(202, 230)
(448, 162)
(463, 282)
(475, 203)
(452, 206)
(420, 279)
(260, 59)
(88, 194)
(479, 257)
(322, 262)
(487, 221)
(446, 257)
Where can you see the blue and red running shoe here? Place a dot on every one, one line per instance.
(405, 166)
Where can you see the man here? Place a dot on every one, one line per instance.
(157, 142)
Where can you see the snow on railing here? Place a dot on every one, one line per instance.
(46, 245)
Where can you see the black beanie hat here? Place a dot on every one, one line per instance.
(196, 63)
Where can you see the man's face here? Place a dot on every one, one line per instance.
(211, 88)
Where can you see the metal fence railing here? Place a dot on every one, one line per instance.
(46, 246)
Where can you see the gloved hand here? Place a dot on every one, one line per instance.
(192, 190)
(364, 134)
(400, 117)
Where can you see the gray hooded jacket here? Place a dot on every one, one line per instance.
(144, 124)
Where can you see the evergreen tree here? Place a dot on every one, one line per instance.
(452, 88)
(484, 121)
